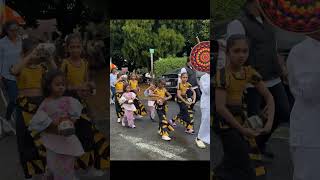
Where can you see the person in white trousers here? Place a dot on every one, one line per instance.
(204, 131)
(304, 83)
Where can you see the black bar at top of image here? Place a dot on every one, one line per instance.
(160, 9)
(197, 170)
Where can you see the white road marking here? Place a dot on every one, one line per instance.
(167, 151)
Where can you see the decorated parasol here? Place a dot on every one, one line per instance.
(300, 16)
(8, 14)
(200, 56)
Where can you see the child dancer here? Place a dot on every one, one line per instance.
(74, 67)
(95, 161)
(55, 120)
(149, 92)
(29, 73)
(162, 108)
(77, 76)
(133, 82)
(242, 157)
(127, 103)
(186, 97)
(119, 91)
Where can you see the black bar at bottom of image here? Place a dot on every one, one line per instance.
(160, 169)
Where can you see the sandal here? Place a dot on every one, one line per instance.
(172, 123)
(189, 131)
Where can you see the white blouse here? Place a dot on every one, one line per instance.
(304, 80)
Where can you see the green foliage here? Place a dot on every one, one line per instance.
(137, 36)
(190, 29)
(116, 37)
(223, 10)
(168, 64)
(132, 39)
(142, 70)
(168, 42)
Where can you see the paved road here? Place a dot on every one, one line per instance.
(278, 169)
(144, 143)
(9, 164)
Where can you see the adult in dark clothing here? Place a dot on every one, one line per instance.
(264, 58)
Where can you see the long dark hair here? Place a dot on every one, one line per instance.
(160, 81)
(71, 37)
(47, 81)
(125, 85)
(28, 45)
(233, 38)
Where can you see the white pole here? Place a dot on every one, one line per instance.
(152, 64)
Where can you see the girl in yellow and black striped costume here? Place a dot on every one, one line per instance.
(76, 70)
(186, 98)
(134, 84)
(242, 158)
(29, 72)
(161, 96)
(119, 85)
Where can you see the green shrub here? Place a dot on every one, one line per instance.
(168, 64)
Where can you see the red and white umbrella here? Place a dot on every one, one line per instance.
(8, 14)
(299, 16)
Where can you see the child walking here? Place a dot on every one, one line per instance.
(162, 108)
(134, 84)
(127, 103)
(55, 120)
(149, 92)
(119, 84)
(74, 67)
(29, 73)
(76, 72)
(242, 157)
(186, 98)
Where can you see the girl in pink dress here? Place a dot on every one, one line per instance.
(55, 119)
(127, 103)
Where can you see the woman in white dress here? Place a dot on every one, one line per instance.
(303, 75)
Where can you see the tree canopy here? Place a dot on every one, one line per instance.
(223, 10)
(68, 13)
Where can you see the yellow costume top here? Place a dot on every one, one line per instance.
(119, 86)
(184, 87)
(76, 76)
(31, 78)
(235, 83)
(133, 84)
(160, 92)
